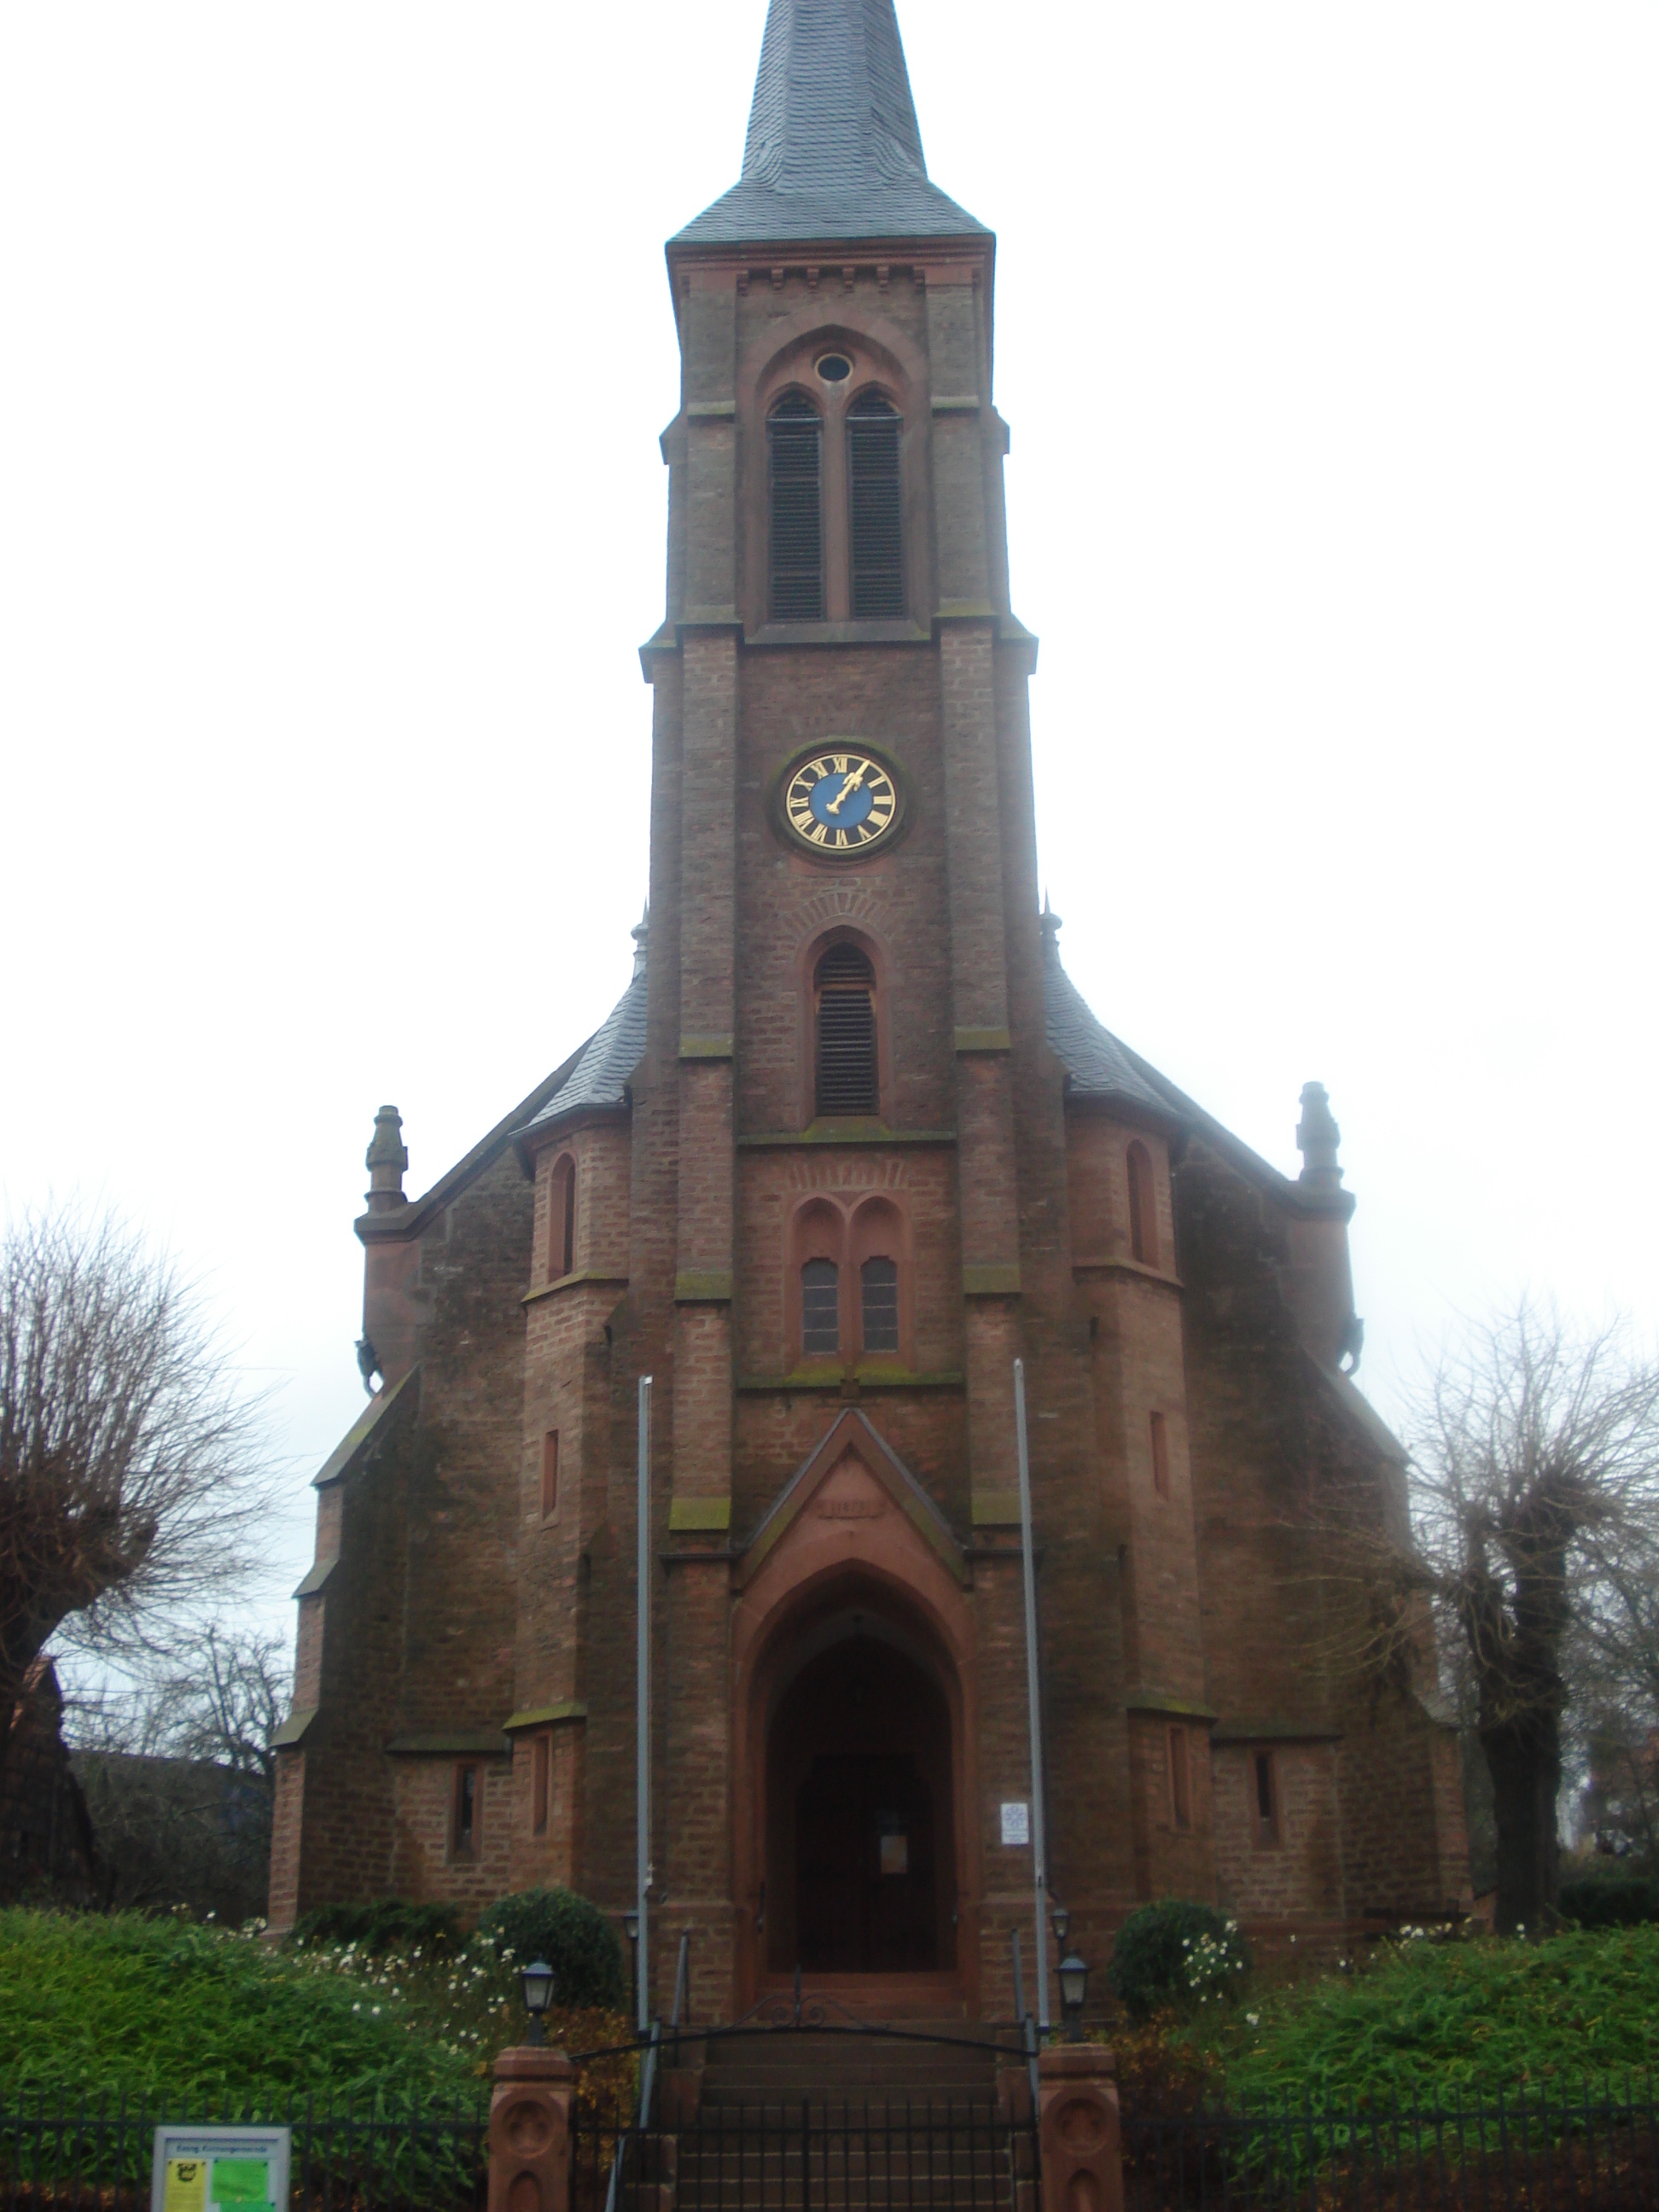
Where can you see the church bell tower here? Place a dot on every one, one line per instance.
(838, 593)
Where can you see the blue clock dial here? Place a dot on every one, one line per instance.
(832, 802)
(840, 803)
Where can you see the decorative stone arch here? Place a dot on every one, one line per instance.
(816, 1230)
(880, 1227)
(853, 1546)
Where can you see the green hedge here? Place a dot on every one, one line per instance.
(1175, 1956)
(1624, 1900)
(572, 1936)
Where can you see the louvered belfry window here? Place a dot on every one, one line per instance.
(874, 505)
(795, 438)
(847, 1033)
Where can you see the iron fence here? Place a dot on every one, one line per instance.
(808, 2153)
(1537, 2150)
(93, 2155)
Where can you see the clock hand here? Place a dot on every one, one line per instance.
(851, 784)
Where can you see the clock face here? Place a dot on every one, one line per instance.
(839, 803)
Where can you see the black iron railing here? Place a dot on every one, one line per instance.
(806, 2153)
(62, 2154)
(1539, 2150)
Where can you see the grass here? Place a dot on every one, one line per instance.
(1436, 2021)
(193, 2019)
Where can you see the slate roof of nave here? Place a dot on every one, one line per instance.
(1097, 1064)
(833, 150)
(600, 1076)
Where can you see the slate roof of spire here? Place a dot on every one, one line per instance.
(833, 150)
(599, 1075)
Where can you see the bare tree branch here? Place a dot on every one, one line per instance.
(129, 1481)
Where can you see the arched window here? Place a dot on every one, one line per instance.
(820, 1307)
(1143, 1212)
(874, 501)
(561, 1220)
(795, 443)
(846, 1074)
(878, 1295)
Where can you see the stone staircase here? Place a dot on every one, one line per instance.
(794, 2120)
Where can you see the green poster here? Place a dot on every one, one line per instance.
(242, 2181)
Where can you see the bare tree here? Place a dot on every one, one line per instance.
(129, 1478)
(1614, 1719)
(180, 1775)
(1534, 1487)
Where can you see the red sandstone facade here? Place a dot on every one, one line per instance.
(840, 1676)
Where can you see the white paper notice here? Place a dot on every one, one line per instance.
(1015, 1821)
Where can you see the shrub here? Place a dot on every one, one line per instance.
(571, 1935)
(1621, 1900)
(1175, 1955)
(393, 1924)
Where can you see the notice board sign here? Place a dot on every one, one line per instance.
(219, 2170)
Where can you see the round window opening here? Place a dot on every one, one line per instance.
(834, 367)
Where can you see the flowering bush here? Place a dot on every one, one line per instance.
(1176, 1956)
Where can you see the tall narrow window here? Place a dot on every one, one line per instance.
(820, 1307)
(561, 1220)
(550, 1474)
(1264, 1797)
(464, 1812)
(847, 1033)
(878, 1293)
(1160, 1456)
(540, 1767)
(795, 440)
(1142, 1214)
(1181, 1781)
(874, 504)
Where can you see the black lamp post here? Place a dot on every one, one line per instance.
(1073, 1988)
(537, 1982)
(1059, 1920)
(631, 1928)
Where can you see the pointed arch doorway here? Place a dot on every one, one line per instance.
(860, 1859)
(856, 1856)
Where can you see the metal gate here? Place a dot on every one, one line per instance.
(761, 2120)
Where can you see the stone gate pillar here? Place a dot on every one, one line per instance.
(530, 2131)
(1077, 2114)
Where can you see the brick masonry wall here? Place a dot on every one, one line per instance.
(1296, 1879)
(457, 1601)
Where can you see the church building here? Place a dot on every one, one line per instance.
(849, 1146)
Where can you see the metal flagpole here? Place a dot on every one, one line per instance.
(642, 1867)
(1039, 1842)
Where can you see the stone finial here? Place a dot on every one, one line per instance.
(385, 1160)
(641, 934)
(1050, 923)
(1317, 1137)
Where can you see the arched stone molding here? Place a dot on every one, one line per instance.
(850, 1226)
(853, 1535)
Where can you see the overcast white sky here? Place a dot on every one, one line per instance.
(338, 342)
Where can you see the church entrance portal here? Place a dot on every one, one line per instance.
(860, 1860)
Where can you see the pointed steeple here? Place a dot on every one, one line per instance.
(833, 151)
